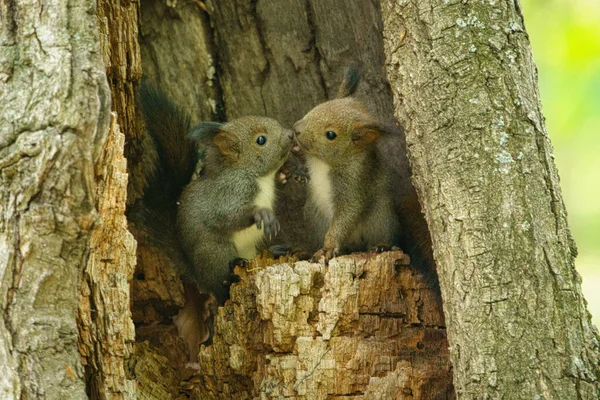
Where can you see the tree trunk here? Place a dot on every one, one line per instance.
(54, 120)
(465, 84)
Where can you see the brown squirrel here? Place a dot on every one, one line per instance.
(360, 194)
(208, 224)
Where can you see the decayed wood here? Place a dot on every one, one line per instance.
(365, 326)
(156, 377)
(156, 290)
(118, 26)
(465, 84)
(106, 332)
(157, 296)
(54, 119)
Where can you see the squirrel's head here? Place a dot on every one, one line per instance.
(257, 144)
(340, 128)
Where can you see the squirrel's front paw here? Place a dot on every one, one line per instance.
(327, 253)
(380, 248)
(266, 217)
(238, 262)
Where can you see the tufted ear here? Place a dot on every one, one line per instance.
(205, 131)
(228, 144)
(364, 133)
(349, 83)
(368, 132)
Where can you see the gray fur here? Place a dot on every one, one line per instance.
(222, 201)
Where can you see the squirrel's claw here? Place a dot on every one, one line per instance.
(238, 262)
(380, 248)
(326, 253)
(266, 217)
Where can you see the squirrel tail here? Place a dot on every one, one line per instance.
(168, 162)
(168, 126)
(169, 171)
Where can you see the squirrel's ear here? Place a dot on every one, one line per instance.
(349, 83)
(363, 133)
(204, 131)
(228, 144)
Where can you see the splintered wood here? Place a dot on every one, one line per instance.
(364, 327)
(106, 332)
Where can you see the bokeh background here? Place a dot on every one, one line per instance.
(565, 37)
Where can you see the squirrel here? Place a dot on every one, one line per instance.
(210, 220)
(360, 196)
(228, 210)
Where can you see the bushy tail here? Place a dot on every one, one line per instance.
(170, 171)
(415, 238)
(168, 126)
(169, 160)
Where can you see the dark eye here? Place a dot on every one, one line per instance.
(330, 135)
(261, 140)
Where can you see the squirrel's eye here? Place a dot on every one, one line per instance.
(330, 135)
(261, 140)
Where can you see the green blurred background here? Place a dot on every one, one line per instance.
(565, 37)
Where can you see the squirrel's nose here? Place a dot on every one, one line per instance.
(299, 127)
(290, 134)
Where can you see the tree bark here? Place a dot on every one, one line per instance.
(119, 45)
(178, 56)
(106, 331)
(465, 85)
(281, 58)
(364, 327)
(55, 115)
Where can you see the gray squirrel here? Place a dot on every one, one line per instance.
(225, 213)
(360, 194)
(207, 222)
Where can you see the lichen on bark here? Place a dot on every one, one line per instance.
(465, 85)
(54, 120)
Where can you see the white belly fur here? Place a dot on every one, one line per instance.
(320, 186)
(245, 240)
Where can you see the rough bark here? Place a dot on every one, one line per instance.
(465, 85)
(106, 331)
(281, 58)
(119, 45)
(178, 55)
(364, 327)
(53, 124)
